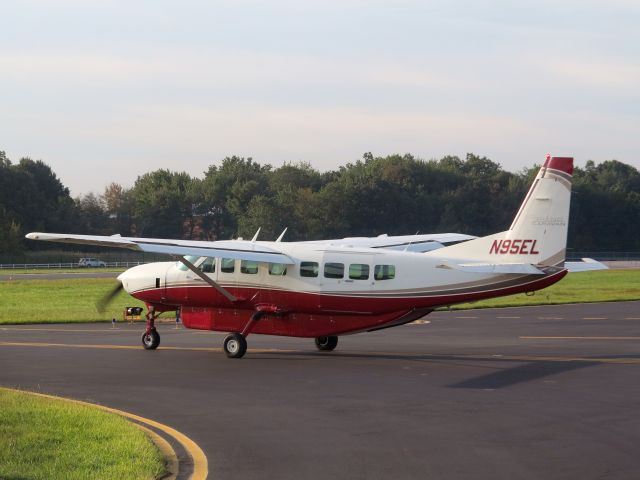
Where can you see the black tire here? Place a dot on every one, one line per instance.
(326, 344)
(235, 345)
(151, 340)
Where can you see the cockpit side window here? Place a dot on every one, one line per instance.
(208, 266)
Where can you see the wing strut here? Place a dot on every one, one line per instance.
(204, 277)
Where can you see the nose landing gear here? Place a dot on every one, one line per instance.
(151, 337)
(151, 340)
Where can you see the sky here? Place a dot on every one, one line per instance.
(105, 91)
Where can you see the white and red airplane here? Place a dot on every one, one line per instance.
(325, 289)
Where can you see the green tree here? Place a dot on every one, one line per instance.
(118, 203)
(226, 192)
(163, 204)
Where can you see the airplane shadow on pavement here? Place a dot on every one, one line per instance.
(522, 373)
(530, 371)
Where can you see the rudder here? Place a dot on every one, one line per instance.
(538, 233)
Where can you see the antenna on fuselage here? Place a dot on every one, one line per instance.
(255, 237)
(410, 242)
(279, 239)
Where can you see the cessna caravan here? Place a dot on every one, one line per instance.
(324, 289)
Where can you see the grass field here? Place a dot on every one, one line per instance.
(42, 438)
(74, 300)
(598, 286)
(55, 301)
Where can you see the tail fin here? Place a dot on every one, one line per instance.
(538, 234)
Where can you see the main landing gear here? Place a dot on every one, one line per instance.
(151, 337)
(235, 344)
(327, 343)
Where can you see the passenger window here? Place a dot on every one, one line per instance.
(249, 266)
(277, 269)
(385, 272)
(334, 270)
(308, 269)
(208, 266)
(358, 271)
(227, 265)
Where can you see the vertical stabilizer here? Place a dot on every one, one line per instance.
(538, 234)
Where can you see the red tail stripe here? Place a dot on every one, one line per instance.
(564, 164)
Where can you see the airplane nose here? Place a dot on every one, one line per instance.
(144, 277)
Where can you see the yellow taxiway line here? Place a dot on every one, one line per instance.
(200, 464)
(409, 356)
(131, 347)
(172, 464)
(579, 338)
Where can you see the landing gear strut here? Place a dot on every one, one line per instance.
(326, 343)
(235, 344)
(151, 337)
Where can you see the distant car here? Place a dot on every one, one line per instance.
(91, 262)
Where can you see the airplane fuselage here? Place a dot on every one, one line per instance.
(327, 291)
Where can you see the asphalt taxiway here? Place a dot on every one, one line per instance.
(519, 393)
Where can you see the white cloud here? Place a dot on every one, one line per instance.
(589, 72)
(216, 68)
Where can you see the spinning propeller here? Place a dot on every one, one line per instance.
(107, 298)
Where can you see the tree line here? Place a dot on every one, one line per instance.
(396, 194)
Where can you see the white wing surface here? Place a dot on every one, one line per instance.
(516, 268)
(237, 249)
(586, 265)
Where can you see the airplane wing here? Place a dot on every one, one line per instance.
(238, 249)
(586, 265)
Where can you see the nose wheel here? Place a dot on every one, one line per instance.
(235, 345)
(151, 339)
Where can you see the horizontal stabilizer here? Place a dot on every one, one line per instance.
(515, 268)
(237, 249)
(586, 265)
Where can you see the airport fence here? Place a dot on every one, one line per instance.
(47, 266)
(605, 256)
(612, 260)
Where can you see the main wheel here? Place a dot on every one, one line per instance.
(151, 340)
(326, 344)
(235, 345)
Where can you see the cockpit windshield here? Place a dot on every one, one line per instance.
(190, 258)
